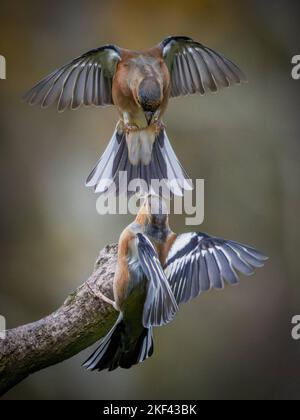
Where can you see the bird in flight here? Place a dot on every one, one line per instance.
(139, 84)
(157, 270)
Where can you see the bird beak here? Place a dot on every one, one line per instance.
(149, 116)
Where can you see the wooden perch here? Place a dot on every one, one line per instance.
(78, 323)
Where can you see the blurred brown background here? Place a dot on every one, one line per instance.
(244, 142)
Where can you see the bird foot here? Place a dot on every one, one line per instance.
(158, 126)
(99, 295)
(129, 128)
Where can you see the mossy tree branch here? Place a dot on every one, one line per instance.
(78, 323)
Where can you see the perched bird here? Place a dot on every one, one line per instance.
(156, 271)
(139, 84)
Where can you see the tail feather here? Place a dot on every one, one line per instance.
(114, 351)
(109, 174)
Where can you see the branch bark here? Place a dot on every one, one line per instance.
(78, 323)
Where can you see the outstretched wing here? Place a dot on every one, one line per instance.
(198, 262)
(196, 68)
(160, 306)
(85, 80)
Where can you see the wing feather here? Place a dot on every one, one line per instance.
(160, 306)
(85, 80)
(198, 262)
(196, 68)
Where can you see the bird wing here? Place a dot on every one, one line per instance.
(198, 262)
(160, 306)
(195, 68)
(85, 80)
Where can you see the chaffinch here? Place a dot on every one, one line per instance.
(139, 84)
(157, 270)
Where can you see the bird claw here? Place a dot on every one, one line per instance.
(99, 295)
(158, 126)
(129, 128)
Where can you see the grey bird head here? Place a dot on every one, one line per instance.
(149, 96)
(158, 223)
(158, 211)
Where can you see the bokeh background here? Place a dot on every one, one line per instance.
(234, 344)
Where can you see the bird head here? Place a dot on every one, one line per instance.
(149, 96)
(154, 212)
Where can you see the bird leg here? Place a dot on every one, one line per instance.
(129, 128)
(127, 125)
(99, 295)
(157, 122)
(158, 126)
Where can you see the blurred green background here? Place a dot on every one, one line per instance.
(244, 142)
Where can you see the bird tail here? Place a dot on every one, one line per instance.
(115, 170)
(116, 350)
